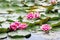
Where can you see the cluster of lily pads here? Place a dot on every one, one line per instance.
(17, 25)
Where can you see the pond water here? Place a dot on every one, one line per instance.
(33, 37)
(52, 36)
(39, 36)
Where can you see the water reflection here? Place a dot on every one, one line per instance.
(40, 36)
(35, 37)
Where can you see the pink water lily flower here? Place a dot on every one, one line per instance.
(23, 26)
(14, 26)
(53, 1)
(30, 15)
(33, 15)
(36, 14)
(17, 23)
(46, 27)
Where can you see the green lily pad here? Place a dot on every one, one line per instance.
(3, 30)
(54, 23)
(18, 34)
(3, 35)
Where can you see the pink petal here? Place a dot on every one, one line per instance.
(30, 15)
(22, 26)
(36, 15)
(45, 27)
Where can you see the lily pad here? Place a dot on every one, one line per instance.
(3, 35)
(18, 34)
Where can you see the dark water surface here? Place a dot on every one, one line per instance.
(35, 37)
